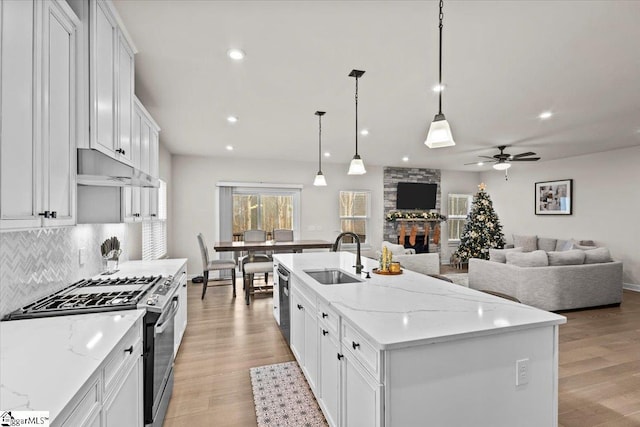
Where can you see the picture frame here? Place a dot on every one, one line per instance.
(554, 197)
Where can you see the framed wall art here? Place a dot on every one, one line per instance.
(554, 197)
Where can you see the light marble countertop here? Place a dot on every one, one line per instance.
(412, 309)
(44, 362)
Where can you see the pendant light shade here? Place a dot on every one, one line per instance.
(320, 181)
(440, 132)
(356, 167)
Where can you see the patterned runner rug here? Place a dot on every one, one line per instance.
(283, 398)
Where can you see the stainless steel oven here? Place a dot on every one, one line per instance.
(158, 363)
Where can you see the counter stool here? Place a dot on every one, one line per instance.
(249, 269)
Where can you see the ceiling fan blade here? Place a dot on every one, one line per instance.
(487, 157)
(528, 159)
(472, 163)
(528, 153)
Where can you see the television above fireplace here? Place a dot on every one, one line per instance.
(416, 195)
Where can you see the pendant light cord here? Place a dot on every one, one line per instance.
(440, 60)
(356, 115)
(320, 143)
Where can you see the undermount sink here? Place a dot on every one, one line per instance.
(332, 276)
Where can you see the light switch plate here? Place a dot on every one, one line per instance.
(522, 372)
(82, 256)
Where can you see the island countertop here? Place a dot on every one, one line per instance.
(412, 309)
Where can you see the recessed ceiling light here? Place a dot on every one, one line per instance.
(405, 159)
(480, 163)
(235, 54)
(438, 88)
(229, 147)
(327, 154)
(545, 115)
(232, 119)
(364, 132)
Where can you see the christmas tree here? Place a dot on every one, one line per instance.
(482, 230)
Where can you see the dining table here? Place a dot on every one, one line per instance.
(270, 245)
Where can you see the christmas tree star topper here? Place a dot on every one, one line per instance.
(482, 186)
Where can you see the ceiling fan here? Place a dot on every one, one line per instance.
(502, 161)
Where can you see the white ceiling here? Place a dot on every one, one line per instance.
(504, 63)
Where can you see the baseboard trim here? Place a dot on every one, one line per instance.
(631, 287)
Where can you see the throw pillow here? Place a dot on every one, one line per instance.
(598, 255)
(547, 244)
(586, 243)
(395, 249)
(527, 243)
(583, 247)
(500, 255)
(563, 245)
(528, 259)
(572, 257)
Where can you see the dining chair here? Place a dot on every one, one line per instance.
(282, 235)
(214, 265)
(255, 236)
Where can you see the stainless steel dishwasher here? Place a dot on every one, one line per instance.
(283, 287)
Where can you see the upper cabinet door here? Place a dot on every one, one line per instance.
(59, 112)
(103, 47)
(20, 171)
(125, 101)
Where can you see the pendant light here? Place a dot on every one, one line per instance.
(440, 132)
(320, 181)
(356, 167)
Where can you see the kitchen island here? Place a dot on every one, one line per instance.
(412, 350)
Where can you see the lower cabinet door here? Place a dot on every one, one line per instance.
(361, 395)
(297, 327)
(124, 406)
(311, 346)
(329, 380)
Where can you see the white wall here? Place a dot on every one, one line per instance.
(454, 182)
(195, 206)
(606, 202)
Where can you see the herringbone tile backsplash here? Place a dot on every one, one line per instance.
(35, 263)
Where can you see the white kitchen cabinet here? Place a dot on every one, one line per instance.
(180, 321)
(124, 407)
(38, 114)
(297, 326)
(311, 344)
(276, 294)
(361, 396)
(111, 68)
(328, 391)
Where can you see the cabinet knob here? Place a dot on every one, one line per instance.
(355, 344)
(54, 214)
(340, 356)
(324, 315)
(154, 215)
(300, 307)
(45, 214)
(129, 350)
(121, 151)
(325, 332)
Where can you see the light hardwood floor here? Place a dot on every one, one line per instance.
(599, 362)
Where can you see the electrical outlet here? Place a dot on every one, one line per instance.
(82, 256)
(522, 372)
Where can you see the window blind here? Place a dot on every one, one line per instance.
(154, 233)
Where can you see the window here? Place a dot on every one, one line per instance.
(354, 214)
(458, 209)
(263, 209)
(154, 233)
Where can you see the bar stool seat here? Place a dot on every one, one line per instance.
(251, 268)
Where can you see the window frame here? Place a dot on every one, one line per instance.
(366, 217)
(272, 191)
(152, 227)
(451, 216)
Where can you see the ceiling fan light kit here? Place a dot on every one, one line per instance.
(320, 181)
(356, 167)
(440, 135)
(501, 166)
(502, 161)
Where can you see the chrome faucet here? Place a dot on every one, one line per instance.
(334, 248)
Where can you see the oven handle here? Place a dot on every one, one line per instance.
(161, 327)
(283, 276)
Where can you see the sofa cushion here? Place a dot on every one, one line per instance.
(572, 257)
(547, 244)
(597, 255)
(395, 249)
(499, 255)
(527, 243)
(528, 259)
(583, 247)
(563, 245)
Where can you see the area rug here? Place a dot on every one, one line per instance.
(461, 279)
(283, 398)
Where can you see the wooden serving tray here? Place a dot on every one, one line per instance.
(386, 273)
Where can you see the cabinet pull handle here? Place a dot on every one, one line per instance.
(121, 151)
(154, 215)
(355, 344)
(129, 350)
(54, 214)
(340, 356)
(300, 307)
(325, 332)
(324, 315)
(45, 214)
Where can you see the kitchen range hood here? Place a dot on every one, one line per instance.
(98, 169)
